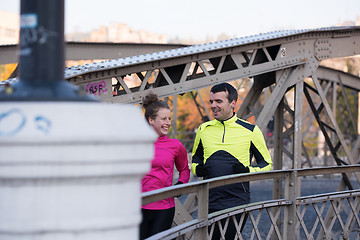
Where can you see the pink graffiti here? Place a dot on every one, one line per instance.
(94, 88)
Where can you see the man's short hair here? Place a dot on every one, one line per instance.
(226, 87)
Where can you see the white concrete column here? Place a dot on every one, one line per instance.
(72, 170)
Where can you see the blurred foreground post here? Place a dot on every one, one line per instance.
(70, 166)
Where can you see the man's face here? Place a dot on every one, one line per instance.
(220, 106)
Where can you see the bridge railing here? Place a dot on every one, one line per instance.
(324, 216)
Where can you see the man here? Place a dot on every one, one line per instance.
(226, 146)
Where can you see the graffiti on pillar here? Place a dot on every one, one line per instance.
(11, 122)
(97, 88)
(14, 121)
(42, 124)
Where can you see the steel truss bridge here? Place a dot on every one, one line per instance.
(288, 86)
(279, 63)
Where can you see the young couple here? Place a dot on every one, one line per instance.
(222, 146)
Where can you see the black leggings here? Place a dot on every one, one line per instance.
(155, 221)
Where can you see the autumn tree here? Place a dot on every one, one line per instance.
(6, 70)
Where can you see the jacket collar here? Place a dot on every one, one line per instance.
(162, 138)
(232, 119)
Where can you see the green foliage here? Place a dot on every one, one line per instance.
(343, 116)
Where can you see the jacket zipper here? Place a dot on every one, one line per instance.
(223, 138)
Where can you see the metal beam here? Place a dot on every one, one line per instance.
(93, 51)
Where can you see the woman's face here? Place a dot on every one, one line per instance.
(162, 121)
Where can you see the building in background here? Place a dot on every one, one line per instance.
(9, 27)
(117, 32)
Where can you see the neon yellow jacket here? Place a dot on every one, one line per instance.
(219, 143)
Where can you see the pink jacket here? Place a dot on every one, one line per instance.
(168, 152)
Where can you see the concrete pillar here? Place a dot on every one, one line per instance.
(72, 170)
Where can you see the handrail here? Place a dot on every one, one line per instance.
(292, 216)
(290, 205)
(216, 216)
(156, 195)
(327, 196)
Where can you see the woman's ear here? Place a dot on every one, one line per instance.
(151, 121)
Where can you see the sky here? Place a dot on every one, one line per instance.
(200, 19)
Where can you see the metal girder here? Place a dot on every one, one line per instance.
(337, 81)
(83, 51)
(95, 50)
(325, 127)
(194, 67)
(333, 75)
(334, 127)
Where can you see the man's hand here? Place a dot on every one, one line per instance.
(201, 170)
(238, 167)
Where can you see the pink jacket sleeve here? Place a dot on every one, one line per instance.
(182, 165)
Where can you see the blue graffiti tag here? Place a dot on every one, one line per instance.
(42, 123)
(13, 117)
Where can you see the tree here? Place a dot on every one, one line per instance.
(6, 70)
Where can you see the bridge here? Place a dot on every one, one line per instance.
(288, 86)
(279, 64)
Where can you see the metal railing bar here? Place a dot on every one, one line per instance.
(163, 193)
(327, 197)
(353, 216)
(319, 218)
(328, 170)
(255, 223)
(337, 210)
(223, 229)
(247, 177)
(196, 226)
(274, 226)
(238, 225)
(178, 230)
(300, 222)
(333, 217)
(217, 216)
(156, 195)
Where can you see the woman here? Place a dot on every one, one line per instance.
(158, 216)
